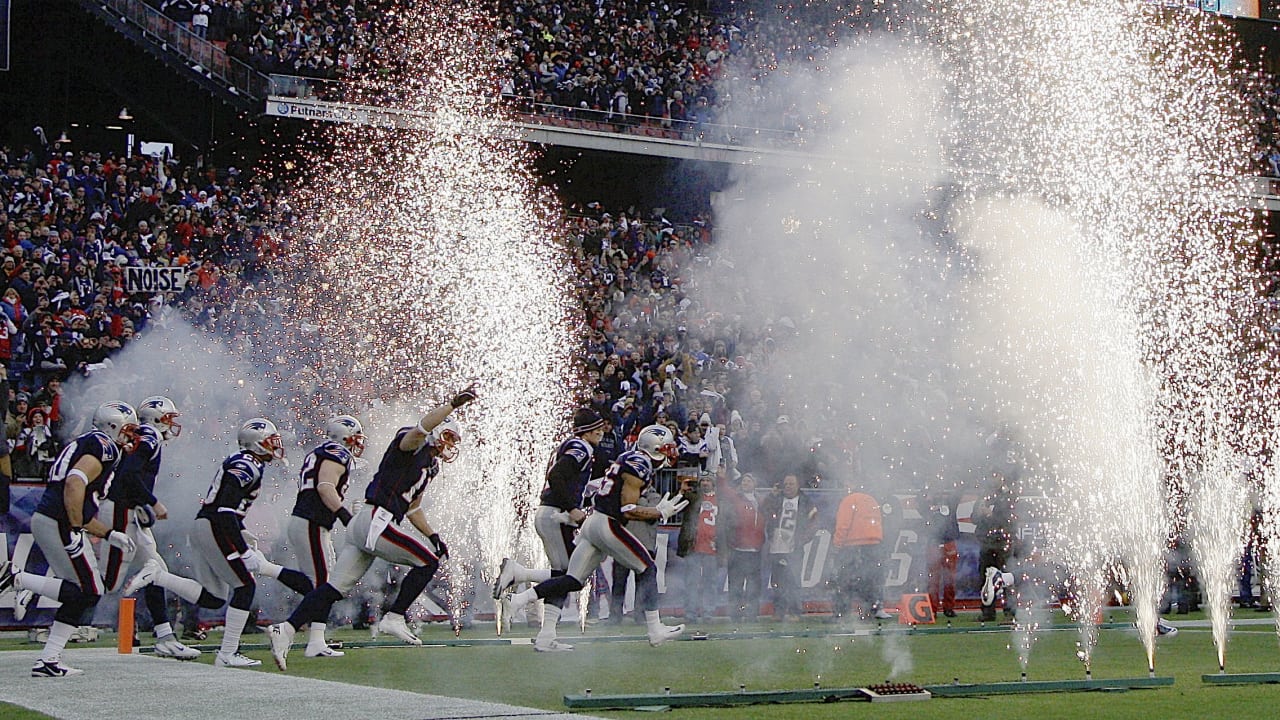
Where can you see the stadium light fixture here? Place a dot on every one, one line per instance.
(63, 138)
(124, 114)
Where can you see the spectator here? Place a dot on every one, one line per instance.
(693, 448)
(740, 536)
(200, 20)
(697, 545)
(857, 548)
(37, 446)
(789, 525)
(943, 554)
(6, 465)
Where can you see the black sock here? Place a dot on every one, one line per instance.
(153, 595)
(415, 581)
(315, 606)
(295, 581)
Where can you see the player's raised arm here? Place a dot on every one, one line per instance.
(417, 435)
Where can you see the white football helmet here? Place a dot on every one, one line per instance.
(346, 431)
(445, 437)
(260, 437)
(658, 443)
(160, 413)
(119, 421)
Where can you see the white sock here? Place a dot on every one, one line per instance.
(523, 598)
(40, 584)
(531, 575)
(59, 634)
(652, 620)
(315, 636)
(550, 616)
(162, 631)
(233, 626)
(185, 588)
(269, 569)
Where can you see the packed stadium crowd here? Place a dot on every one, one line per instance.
(666, 65)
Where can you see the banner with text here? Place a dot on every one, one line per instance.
(154, 279)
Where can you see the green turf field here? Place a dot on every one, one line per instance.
(13, 712)
(798, 655)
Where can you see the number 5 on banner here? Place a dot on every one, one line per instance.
(916, 610)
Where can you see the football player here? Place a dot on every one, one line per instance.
(224, 561)
(614, 501)
(560, 511)
(79, 481)
(132, 508)
(394, 495)
(322, 487)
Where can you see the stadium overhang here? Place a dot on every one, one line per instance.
(310, 109)
(1260, 193)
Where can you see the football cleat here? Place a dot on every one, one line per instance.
(552, 645)
(235, 660)
(8, 577)
(281, 636)
(393, 624)
(1165, 628)
(147, 575)
(506, 577)
(881, 614)
(46, 669)
(197, 634)
(990, 584)
(664, 633)
(21, 600)
(169, 647)
(325, 651)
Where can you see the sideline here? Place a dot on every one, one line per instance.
(117, 685)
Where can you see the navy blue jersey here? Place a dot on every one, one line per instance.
(401, 476)
(135, 482)
(96, 444)
(567, 474)
(309, 506)
(606, 492)
(234, 489)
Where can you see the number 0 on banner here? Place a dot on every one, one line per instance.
(915, 610)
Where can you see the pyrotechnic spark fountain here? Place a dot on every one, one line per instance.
(1071, 102)
(1216, 521)
(1107, 298)
(431, 253)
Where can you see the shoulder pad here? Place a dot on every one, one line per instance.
(148, 437)
(97, 443)
(243, 468)
(638, 464)
(334, 451)
(578, 450)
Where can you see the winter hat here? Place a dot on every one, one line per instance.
(585, 420)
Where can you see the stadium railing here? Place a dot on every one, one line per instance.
(175, 37)
(561, 116)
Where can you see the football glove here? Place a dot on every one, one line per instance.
(125, 543)
(669, 506)
(442, 550)
(75, 548)
(464, 396)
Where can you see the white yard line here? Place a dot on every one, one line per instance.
(115, 685)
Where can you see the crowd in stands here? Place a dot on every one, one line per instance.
(663, 65)
(73, 222)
